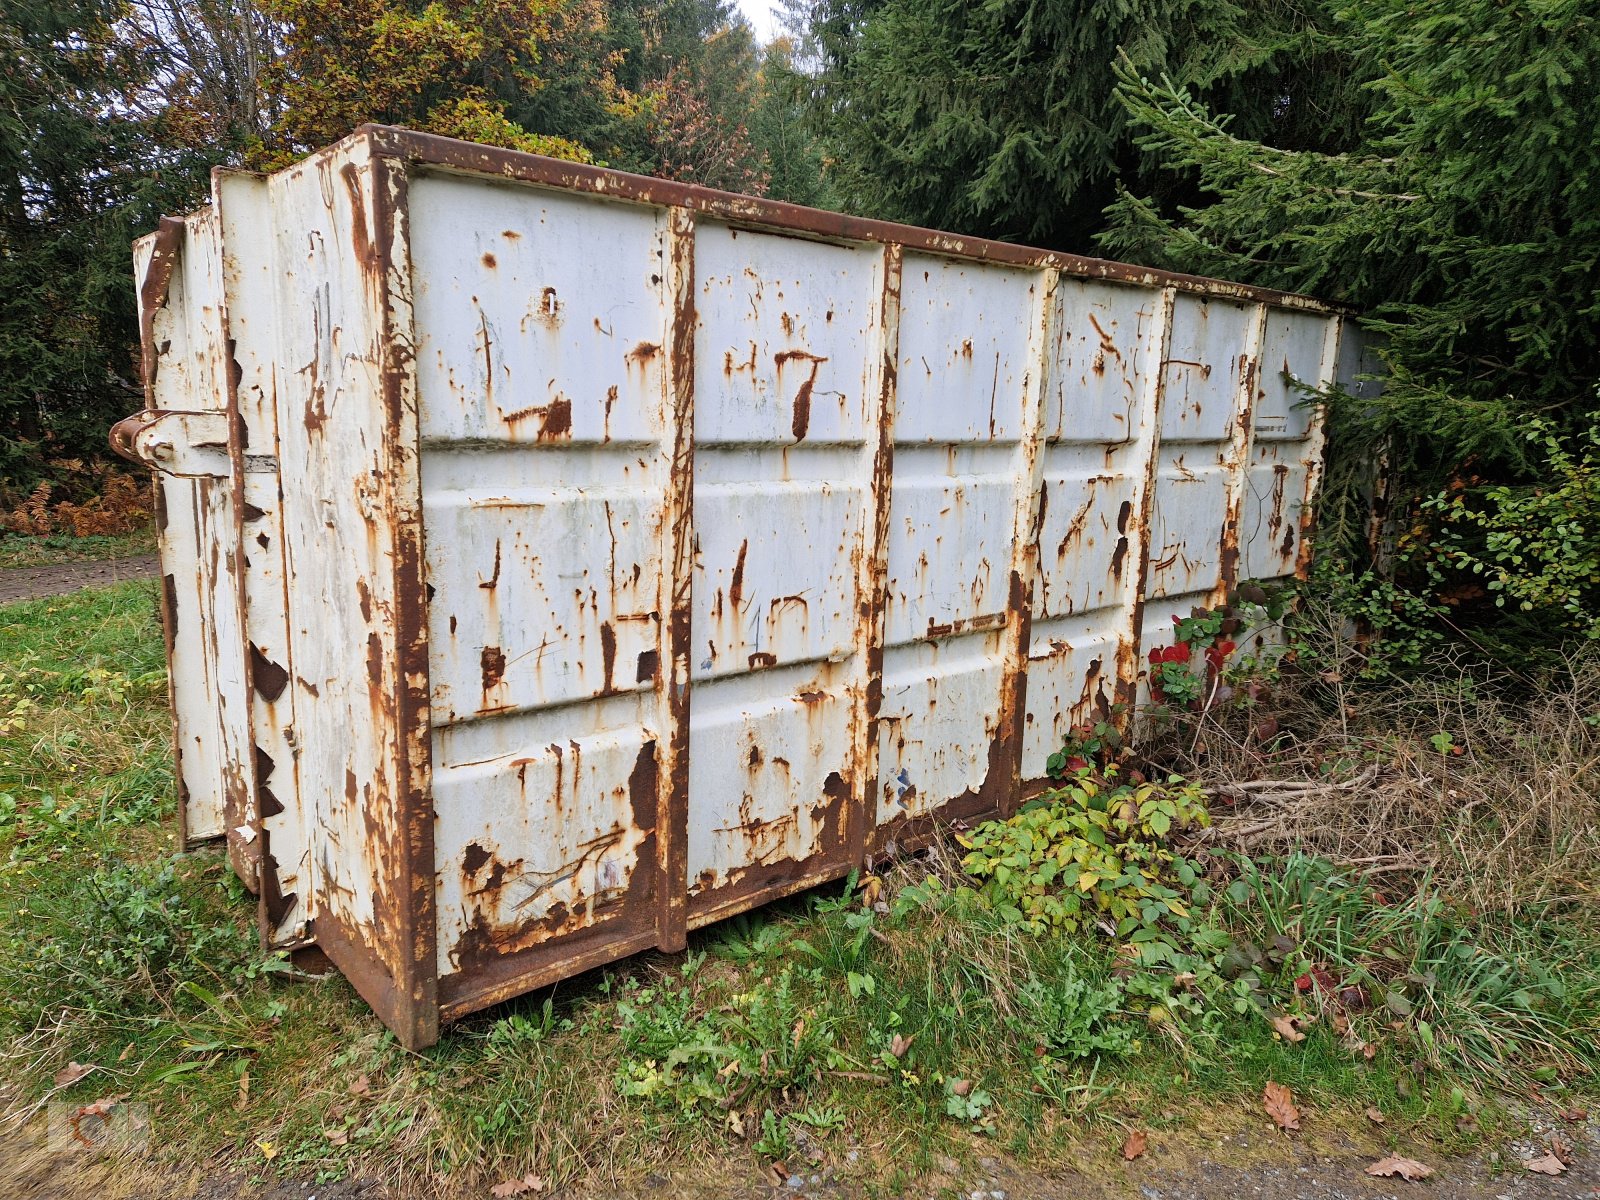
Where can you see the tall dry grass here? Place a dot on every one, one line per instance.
(1488, 784)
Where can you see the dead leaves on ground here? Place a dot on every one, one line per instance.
(1545, 1164)
(529, 1183)
(1406, 1168)
(1135, 1145)
(70, 1074)
(1288, 1028)
(1280, 1106)
(1552, 1162)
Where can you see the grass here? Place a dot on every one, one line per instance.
(18, 550)
(900, 1022)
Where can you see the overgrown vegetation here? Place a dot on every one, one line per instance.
(1461, 216)
(940, 1008)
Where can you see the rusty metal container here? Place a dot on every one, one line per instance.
(557, 560)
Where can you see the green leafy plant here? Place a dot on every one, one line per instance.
(1090, 745)
(1096, 848)
(1071, 1018)
(1536, 548)
(966, 1102)
(1213, 634)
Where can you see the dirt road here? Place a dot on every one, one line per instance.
(30, 583)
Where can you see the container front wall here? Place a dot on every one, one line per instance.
(618, 556)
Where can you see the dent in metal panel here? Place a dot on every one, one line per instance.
(540, 843)
(1205, 366)
(1104, 342)
(1097, 495)
(939, 717)
(780, 358)
(522, 335)
(1296, 354)
(766, 782)
(964, 355)
(1072, 679)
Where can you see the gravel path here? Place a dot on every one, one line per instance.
(30, 583)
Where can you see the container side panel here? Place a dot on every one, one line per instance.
(1100, 437)
(1210, 363)
(959, 425)
(1296, 355)
(546, 457)
(342, 335)
(786, 359)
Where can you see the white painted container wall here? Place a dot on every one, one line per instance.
(558, 560)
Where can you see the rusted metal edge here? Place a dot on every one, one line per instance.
(416, 1011)
(517, 974)
(1028, 519)
(271, 903)
(1317, 451)
(1240, 446)
(672, 810)
(238, 441)
(872, 576)
(1131, 649)
(239, 786)
(449, 154)
(166, 244)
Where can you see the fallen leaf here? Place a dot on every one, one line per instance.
(1279, 1102)
(99, 1108)
(518, 1187)
(1406, 1168)
(1561, 1150)
(898, 1045)
(777, 1172)
(102, 1106)
(960, 1087)
(1467, 1123)
(244, 1088)
(1134, 1146)
(1375, 1116)
(1289, 1028)
(1545, 1164)
(361, 1086)
(735, 1123)
(1575, 1114)
(269, 1150)
(71, 1073)
(336, 1137)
